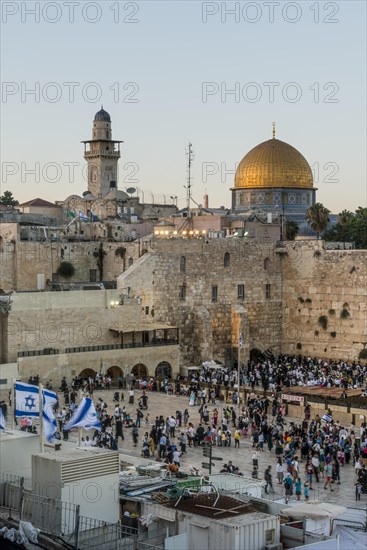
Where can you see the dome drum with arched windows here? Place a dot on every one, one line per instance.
(274, 175)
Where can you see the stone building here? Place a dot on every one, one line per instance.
(56, 334)
(277, 294)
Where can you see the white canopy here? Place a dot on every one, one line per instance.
(314, 510)
(212, 365)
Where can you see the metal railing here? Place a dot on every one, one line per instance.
(11, 488)
(62, 520)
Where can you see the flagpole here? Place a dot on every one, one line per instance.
(40, 387)
(13, 403)
(238, 370)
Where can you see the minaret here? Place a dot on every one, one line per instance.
(102, 155)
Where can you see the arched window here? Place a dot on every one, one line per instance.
(227, 259)
(182, 264)
(130, 262)
(266, 264)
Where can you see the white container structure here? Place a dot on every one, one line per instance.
(256, 531)
(241, 526)
(88, 478)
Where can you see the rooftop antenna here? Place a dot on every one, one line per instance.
(273, 130)
(190, 158)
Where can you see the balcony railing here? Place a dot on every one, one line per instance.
(102, 347)
(105, 152)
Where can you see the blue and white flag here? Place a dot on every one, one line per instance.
(85, 416)
(49, 419)
(94, 217)
(26, 399)
(327, 418)
(83, 216)
(2, 420)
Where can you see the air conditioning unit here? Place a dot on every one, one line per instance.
(274, 546)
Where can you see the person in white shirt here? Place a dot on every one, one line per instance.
(176, 457)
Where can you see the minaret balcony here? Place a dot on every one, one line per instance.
(102, 152)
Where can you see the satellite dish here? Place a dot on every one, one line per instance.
(131, 190)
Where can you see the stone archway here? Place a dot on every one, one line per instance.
(86, 373)
(163, 370)
(114, 372)
(139, 371)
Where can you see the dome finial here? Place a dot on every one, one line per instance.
(273, 130)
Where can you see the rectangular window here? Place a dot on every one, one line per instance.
(214, 293)
(270, 536)
(241, 292)
(267, 291)
(55, 277)
(182, 293)
(93, 275)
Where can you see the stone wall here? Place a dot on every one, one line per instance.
(306, 282)
(204, 268)
(62, 320)
(322, 283)
(21, 261)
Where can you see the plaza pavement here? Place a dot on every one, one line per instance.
(162, 404)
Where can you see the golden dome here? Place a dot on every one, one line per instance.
(273, 163)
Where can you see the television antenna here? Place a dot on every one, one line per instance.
(190, 158)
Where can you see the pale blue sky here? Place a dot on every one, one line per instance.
(168, 54)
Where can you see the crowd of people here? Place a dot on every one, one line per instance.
(309, 452)
(286, 371)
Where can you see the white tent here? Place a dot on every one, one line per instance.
(314, 510)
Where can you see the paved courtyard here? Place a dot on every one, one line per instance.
(162, 404)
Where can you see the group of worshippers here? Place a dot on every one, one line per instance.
(287, 371)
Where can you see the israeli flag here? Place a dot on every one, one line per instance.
(83, 216)
(2, 420)
(48, 415)
(26, 399)
(327, 418)
(85, 416)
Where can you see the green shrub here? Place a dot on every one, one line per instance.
(323, 321)
(66, 270)
(344, 314)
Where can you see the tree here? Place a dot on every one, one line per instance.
(291, 230)
(350, 227)
(7, 199)
(318, 217)
(66, 270)
(121, 252)
(100, 254)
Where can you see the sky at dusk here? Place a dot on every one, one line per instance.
(213, 73)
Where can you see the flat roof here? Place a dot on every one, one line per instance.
(226, 507)
(140, 327)
(11, 435)
(73, 455)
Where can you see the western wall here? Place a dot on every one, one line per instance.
(307, 284)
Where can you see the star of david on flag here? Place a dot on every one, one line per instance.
(26, 400)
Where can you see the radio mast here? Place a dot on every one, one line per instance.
(190, 158)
